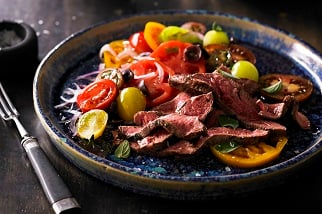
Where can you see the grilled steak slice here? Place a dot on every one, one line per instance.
(271, 111)
(173, 105)
(231, 95)
(182, 147)
(186, 104)
(299, 117)
(135, 132)
(275, 128)
(144, 117)
(199, 106)
(194, 84)
(152, 143)
(228, 93)
(275, 110)
(182, 126)
(214, 136)
(240, 135)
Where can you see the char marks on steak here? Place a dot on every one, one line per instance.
(182, 126)
(274, 111)
(234, 96)
(299, 117)
(156, 141)
(173, 105)
(144, 117)
(189, 122)
(214, 135)
(186, 104)
(240, 135)
(181, 148)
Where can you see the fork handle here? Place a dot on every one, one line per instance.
(55, 189)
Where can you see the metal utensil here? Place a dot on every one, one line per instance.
(55, 189)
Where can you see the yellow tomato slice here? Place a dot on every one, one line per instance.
(92, 124)
(112, 51)
(151, 33)
(249, 156)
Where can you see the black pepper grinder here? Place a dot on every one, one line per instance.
(18, 49)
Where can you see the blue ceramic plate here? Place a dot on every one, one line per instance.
(205, 177)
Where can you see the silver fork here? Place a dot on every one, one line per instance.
(55, 189)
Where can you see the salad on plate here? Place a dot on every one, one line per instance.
(180, 91)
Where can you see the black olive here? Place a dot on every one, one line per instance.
(127, 75)
(192, 53)
(143, 88)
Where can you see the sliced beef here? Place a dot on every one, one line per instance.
(199, 106)
(144, 117)
(173, 105)
(274, 111)
(152, 143)
(231, 95)
(182, 126)
(299, 117)
(194, 84)
(275, 128)
(135, 132)
(240, 135)
(189, 123)
(181, 148)
(214, 136)
(271, 111)
(186, 104)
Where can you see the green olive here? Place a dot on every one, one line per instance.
(245, 69)
(129, 101)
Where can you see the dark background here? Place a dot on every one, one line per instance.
(53, 21)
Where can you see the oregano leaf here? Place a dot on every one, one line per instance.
(226, 147)
(274, 88)
(123, 150)
(227, 121)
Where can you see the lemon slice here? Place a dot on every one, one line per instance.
(92, 123)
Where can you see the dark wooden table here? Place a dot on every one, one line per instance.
(53, 20)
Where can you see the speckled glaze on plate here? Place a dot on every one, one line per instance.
(197, 178)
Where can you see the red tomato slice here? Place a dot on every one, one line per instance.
(171, 53)
(237, 52)
(97, 95)
(155, 76)
(298, 87)
(138, 42)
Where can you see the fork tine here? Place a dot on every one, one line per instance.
(7, 109)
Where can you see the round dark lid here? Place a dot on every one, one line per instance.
(18, 47)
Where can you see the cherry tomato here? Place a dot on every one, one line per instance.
(151, 33)
(227, 55)
(110, 53)
(97, 95)
(245, 69)
(240, 52)
(138, 42)
(252, 155)
(152, 76)
(299, 87)
(129, 101)
(215, 37)
(181, 34)
(172, 54)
